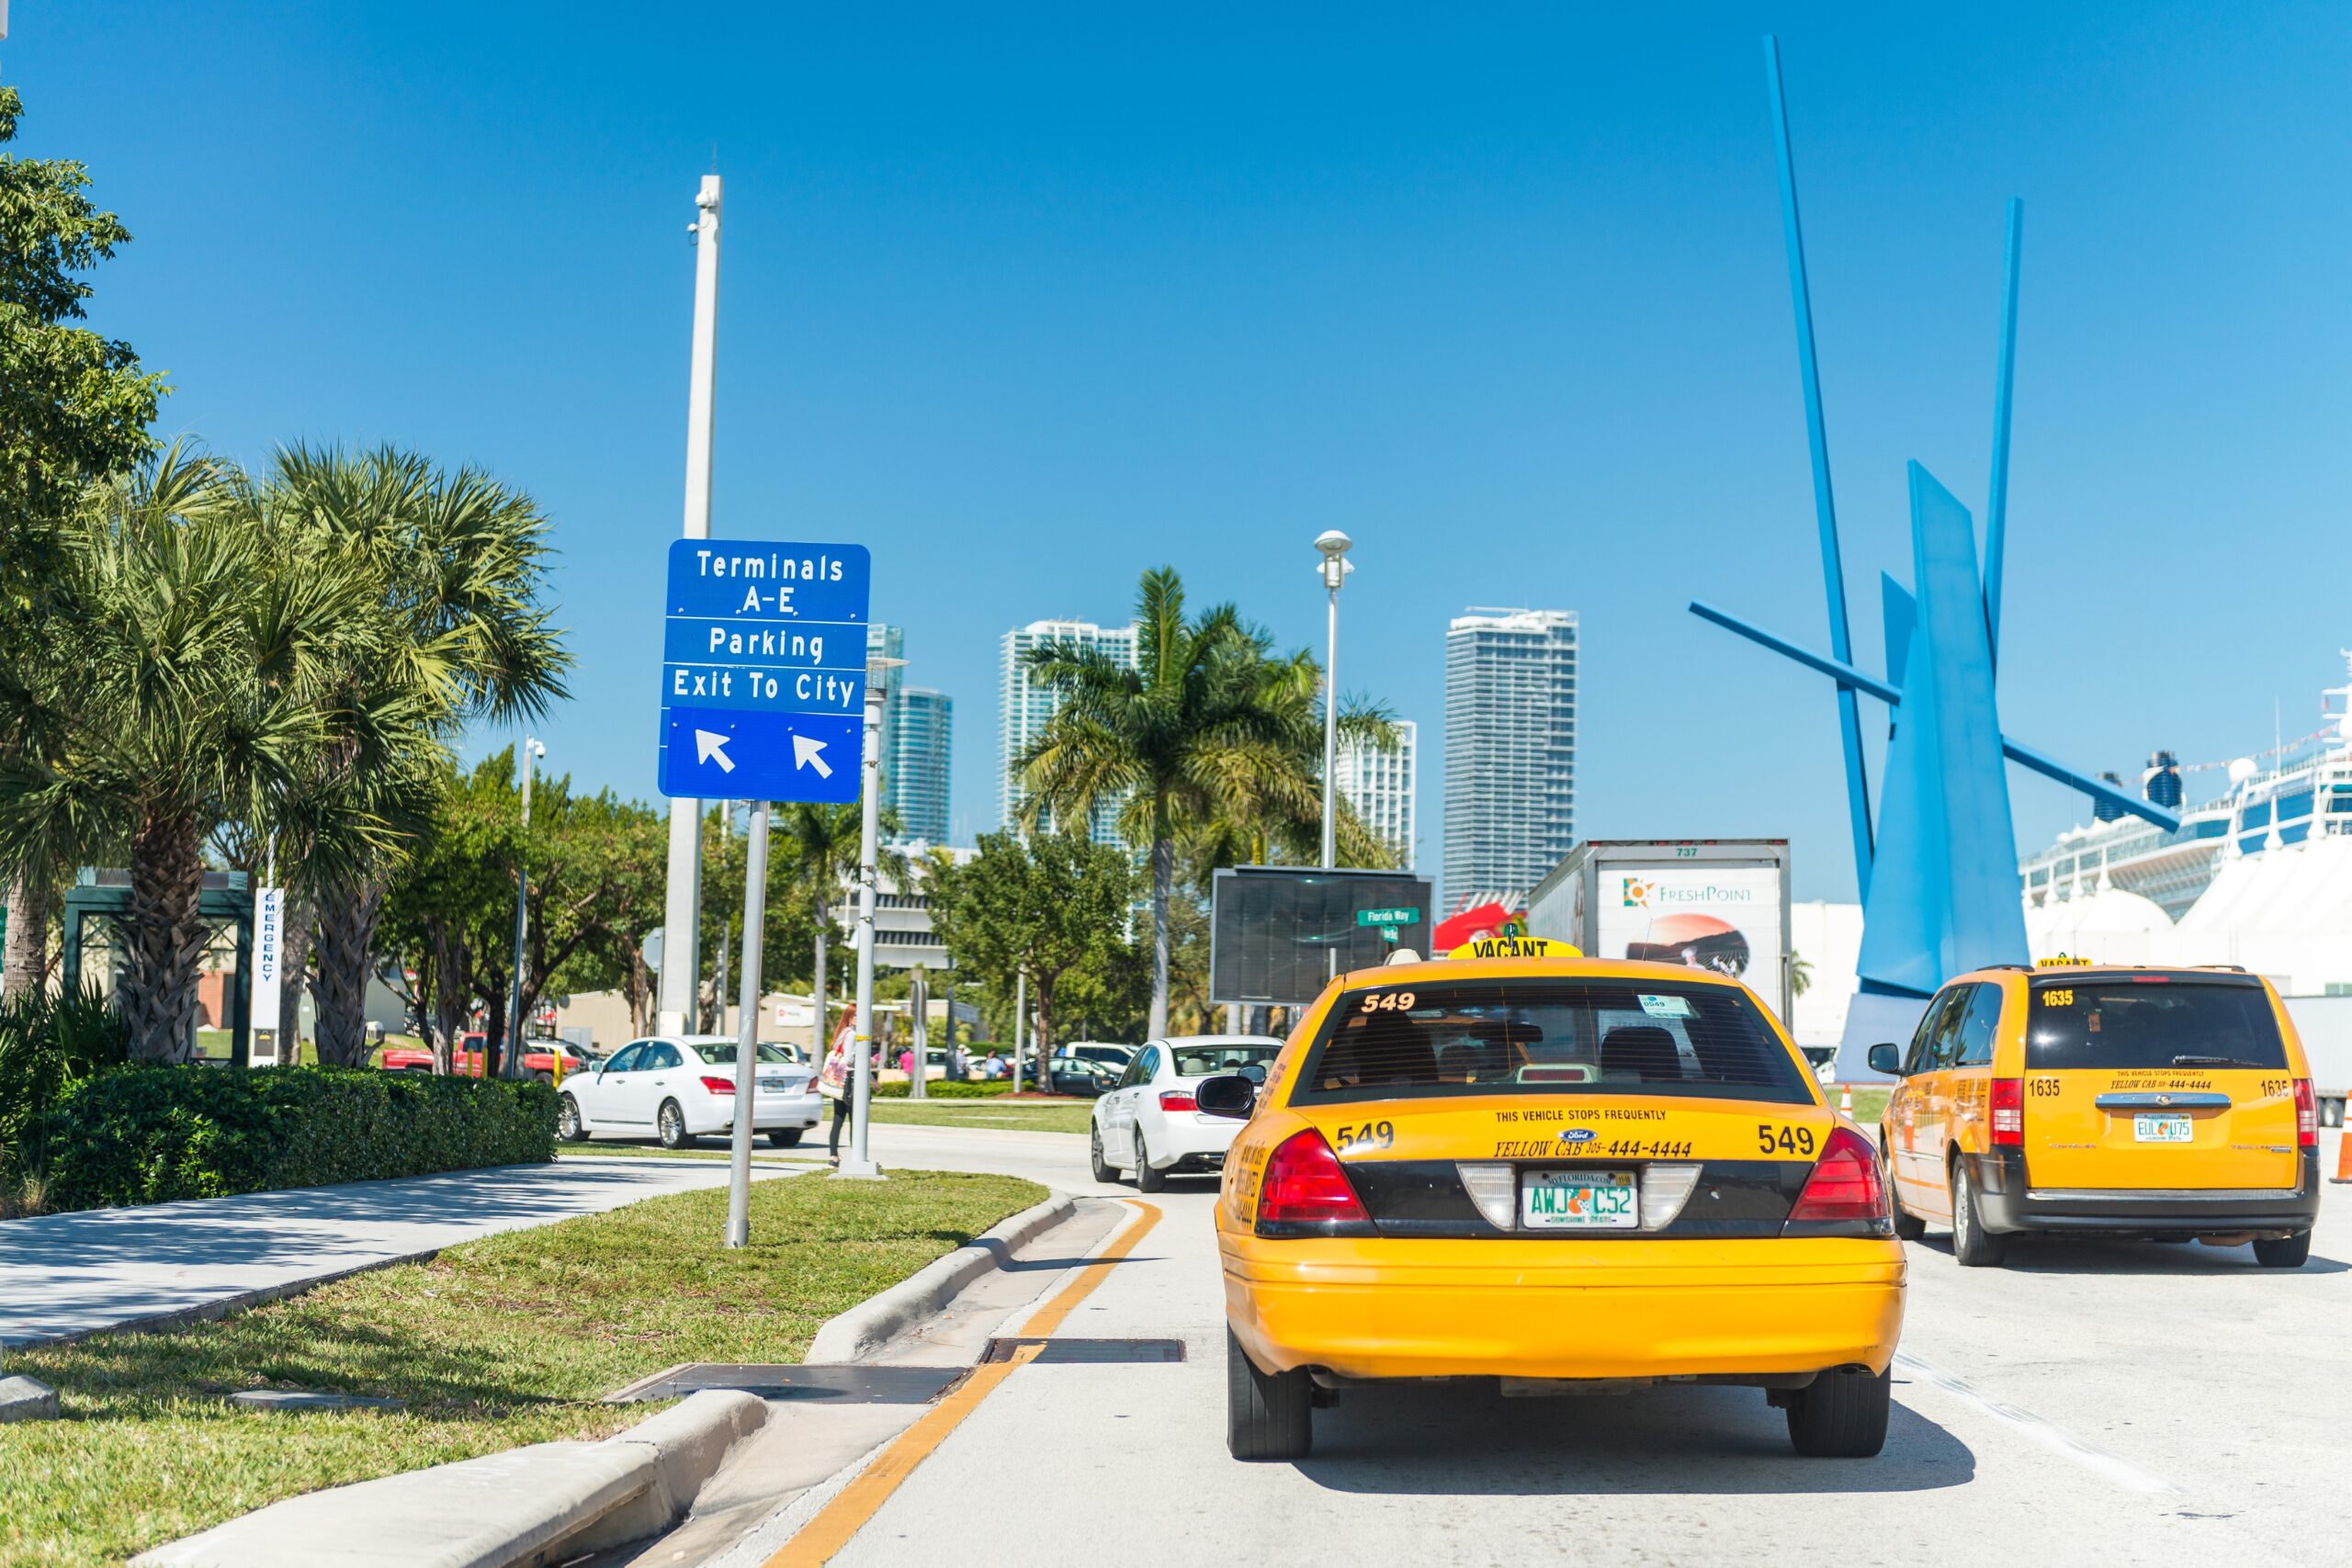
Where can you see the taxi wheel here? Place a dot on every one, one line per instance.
(1842, 1416)
(1268, 1415)
(1103, 1170)
(1972, 1245)
(1148, 1179)
(2285, 1252)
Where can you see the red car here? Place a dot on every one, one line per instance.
(467, 1060)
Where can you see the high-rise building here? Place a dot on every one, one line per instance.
(1378, 781)
(915, 775)
(1511, 748)
(1025, 705)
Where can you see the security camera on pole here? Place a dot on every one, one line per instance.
(1335, 568)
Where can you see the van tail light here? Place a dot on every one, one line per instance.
(2009, 1111)
(718, 1086)
(1178, 1100)
(1845, 1184)
(2306, 1116)
(1303, 1184)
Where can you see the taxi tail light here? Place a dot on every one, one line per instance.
(2009, 1111)
(1845, 1184)
(1304, 1186)
(718, 1086)
(2306, 1116)
(1177, 1100)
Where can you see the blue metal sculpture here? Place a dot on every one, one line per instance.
(1937, 868)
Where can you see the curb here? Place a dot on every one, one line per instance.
(873, 1323)
(543, 1503)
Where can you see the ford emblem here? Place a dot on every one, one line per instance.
(1577, 1134)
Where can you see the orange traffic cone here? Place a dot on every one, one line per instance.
(1846, 1100)
(2344, 1156)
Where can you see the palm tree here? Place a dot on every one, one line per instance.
(1198, 731)
(820, 843)
(191, 692)
(458, 636)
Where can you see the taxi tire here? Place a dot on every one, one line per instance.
(1268, 1415)
(1973, 1246)
(1842, 1416)
(1149, 1178)
(1104, 1171)
(2284, 1252)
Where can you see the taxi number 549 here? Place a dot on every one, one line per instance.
(1785, 1141)
(1389, 1001)
(1367, 1135)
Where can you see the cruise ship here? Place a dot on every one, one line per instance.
(2306, 793)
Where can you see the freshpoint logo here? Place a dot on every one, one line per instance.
(1637, 893)
(1641, 894)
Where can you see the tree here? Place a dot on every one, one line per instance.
(73, 406)
(1040, 908)
(193, 692)
(1201, 731)
(819, 844)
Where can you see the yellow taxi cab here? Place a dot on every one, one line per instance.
(1571, 1175)
(2170, 1104)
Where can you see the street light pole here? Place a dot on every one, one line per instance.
(1335, 568)
(857, 1162)
(683, 909)
(532, 749)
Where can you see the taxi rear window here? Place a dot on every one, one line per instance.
(2157, 1022)
(1548, 1036)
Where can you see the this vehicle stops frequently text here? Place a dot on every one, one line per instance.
(1574, 1175)
(2172, 1104)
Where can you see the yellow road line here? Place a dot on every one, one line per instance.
(847, 1514)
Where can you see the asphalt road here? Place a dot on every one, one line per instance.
(2107, 1402)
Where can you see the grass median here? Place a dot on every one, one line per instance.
(509, 1340)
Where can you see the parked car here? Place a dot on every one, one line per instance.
(680, 1088)
(1148, 1121)
(465, 1060)
(1084, 1076)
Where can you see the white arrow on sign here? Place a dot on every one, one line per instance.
(807, 754)
(707, 746)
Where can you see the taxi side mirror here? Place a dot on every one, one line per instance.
(1228, 1094)
(1886, 1059)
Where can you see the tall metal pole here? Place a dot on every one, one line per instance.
(1824, 507)
(747, 1076)
(858, 1163)
(531, 748)
(1020, 1022)
(918, 1033)
(683, 905)
(1333, 545)
(1996, 507)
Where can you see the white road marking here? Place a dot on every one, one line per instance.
(2097, 1460)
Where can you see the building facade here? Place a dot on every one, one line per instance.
(1025, 705)
(921, 737)
(1511, 748)
(1378, 782)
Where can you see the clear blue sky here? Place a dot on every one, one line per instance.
(1028, 299)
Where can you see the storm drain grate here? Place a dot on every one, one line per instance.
(1089, 1352)
(796, 1381)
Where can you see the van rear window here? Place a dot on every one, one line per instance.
(1548, 1036)
(2168, 1023)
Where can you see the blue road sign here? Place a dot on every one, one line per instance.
(763, 670)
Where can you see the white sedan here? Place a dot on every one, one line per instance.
(1149, 1123)
(677, 1087)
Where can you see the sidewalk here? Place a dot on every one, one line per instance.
(67, 1274)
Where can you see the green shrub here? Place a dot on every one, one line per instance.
(943, 1089)
(151, 1134)
(49, 1045)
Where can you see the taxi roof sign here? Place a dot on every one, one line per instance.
(1515, 947)
(2062, 962)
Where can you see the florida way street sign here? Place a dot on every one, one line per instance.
(763, 670)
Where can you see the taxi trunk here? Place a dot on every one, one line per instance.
(2175, 1081)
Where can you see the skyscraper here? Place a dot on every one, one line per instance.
(1379, 782)
(1025, 705)
(1511, 748)
(915, 775)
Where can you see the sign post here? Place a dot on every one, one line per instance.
(269, 958)
(763, 681)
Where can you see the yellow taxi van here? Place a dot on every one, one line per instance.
(1570, 1174)
(2168, 1104)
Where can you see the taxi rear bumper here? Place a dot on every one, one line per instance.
(1617, 1309)
(2007, 1202)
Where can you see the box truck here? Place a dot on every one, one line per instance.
(1709, 903)
(2326, 1025)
